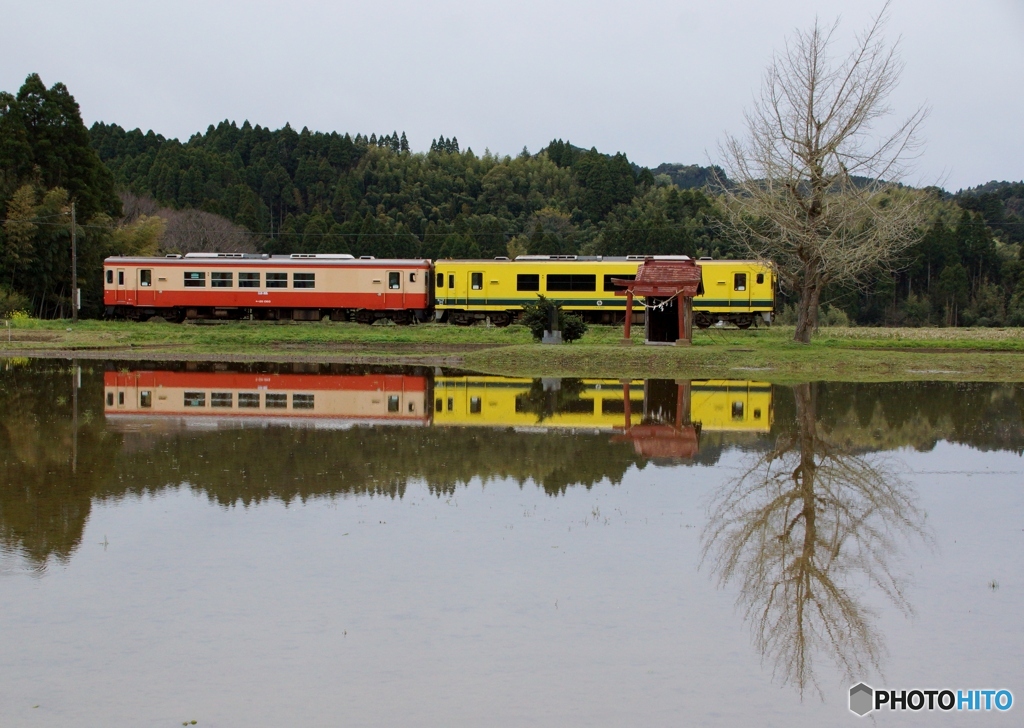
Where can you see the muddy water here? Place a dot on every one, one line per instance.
(311, 546)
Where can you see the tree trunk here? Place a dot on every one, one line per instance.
(807, 308)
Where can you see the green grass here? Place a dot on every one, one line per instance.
(769, 354)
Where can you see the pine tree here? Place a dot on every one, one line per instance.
(404, 144)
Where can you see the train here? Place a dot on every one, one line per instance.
(340, 287)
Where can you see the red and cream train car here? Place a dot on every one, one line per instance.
(235, 285)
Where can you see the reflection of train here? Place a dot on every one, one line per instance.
(601, 404)
(198, 398)
(311, 287)
(201, 398)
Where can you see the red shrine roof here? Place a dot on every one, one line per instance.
(663, 278)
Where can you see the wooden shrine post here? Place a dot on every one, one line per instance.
(629, 317)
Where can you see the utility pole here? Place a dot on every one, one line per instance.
(74, 267)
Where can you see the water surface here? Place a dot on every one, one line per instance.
(307, 545)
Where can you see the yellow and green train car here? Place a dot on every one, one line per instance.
(741, 292)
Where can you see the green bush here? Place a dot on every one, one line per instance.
(915, 311)
(536, 316)
(1015, 313)
(12, 303)
(827, 316)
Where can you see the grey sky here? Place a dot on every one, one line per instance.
(661, 81)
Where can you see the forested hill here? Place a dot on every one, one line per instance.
(310, 192)
(1001, 204)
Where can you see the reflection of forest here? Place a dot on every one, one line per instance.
(44, 505)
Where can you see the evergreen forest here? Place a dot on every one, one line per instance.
(248, 187)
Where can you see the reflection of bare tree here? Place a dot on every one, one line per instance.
(801, 529)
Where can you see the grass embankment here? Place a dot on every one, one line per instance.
(765, 354)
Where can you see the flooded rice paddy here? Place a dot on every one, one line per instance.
(326, 545)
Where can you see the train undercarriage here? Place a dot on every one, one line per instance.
(402, 317)
(207, 313)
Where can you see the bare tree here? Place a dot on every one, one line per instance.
(814, 183)
(190, 231)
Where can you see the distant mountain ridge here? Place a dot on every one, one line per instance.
(691, 176)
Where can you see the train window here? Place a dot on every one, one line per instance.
(394, 280)
(528, 282)
(451, 404)
(302, 401)
(277, 280)
(757, 414)
(220, 279)
(571, 282)
(451, 280)
(120, 399)
(393, 403)
(412, 406)
(146, 399)
(760, 277)
(737, 410)
(120, 278)
(277, 401)
(110, 399)
(195, 279)
(248, 280)
(609, 286)
(249, 400)
(476, 281)
(222, 399)
(195, 399)
(438, 405)
(475, 406)
(110, 277)
(145, 278)
(412, 277)
(440, 280)
(303, 280)
(739, 282)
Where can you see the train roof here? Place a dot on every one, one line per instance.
(592, 259)
(301, 259)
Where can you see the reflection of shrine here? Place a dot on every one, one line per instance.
(674, 413)
(665, 430)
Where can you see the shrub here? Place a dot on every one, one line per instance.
(827, 316)
(1015, 313)
(536, 316)
(12, 304)
(915, 311)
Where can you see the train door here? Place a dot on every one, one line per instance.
(118, 395)
(476, 294)
(394, 296)
(144, 292)
(740, 295)
(121, 290)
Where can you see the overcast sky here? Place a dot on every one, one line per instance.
(661, 81)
